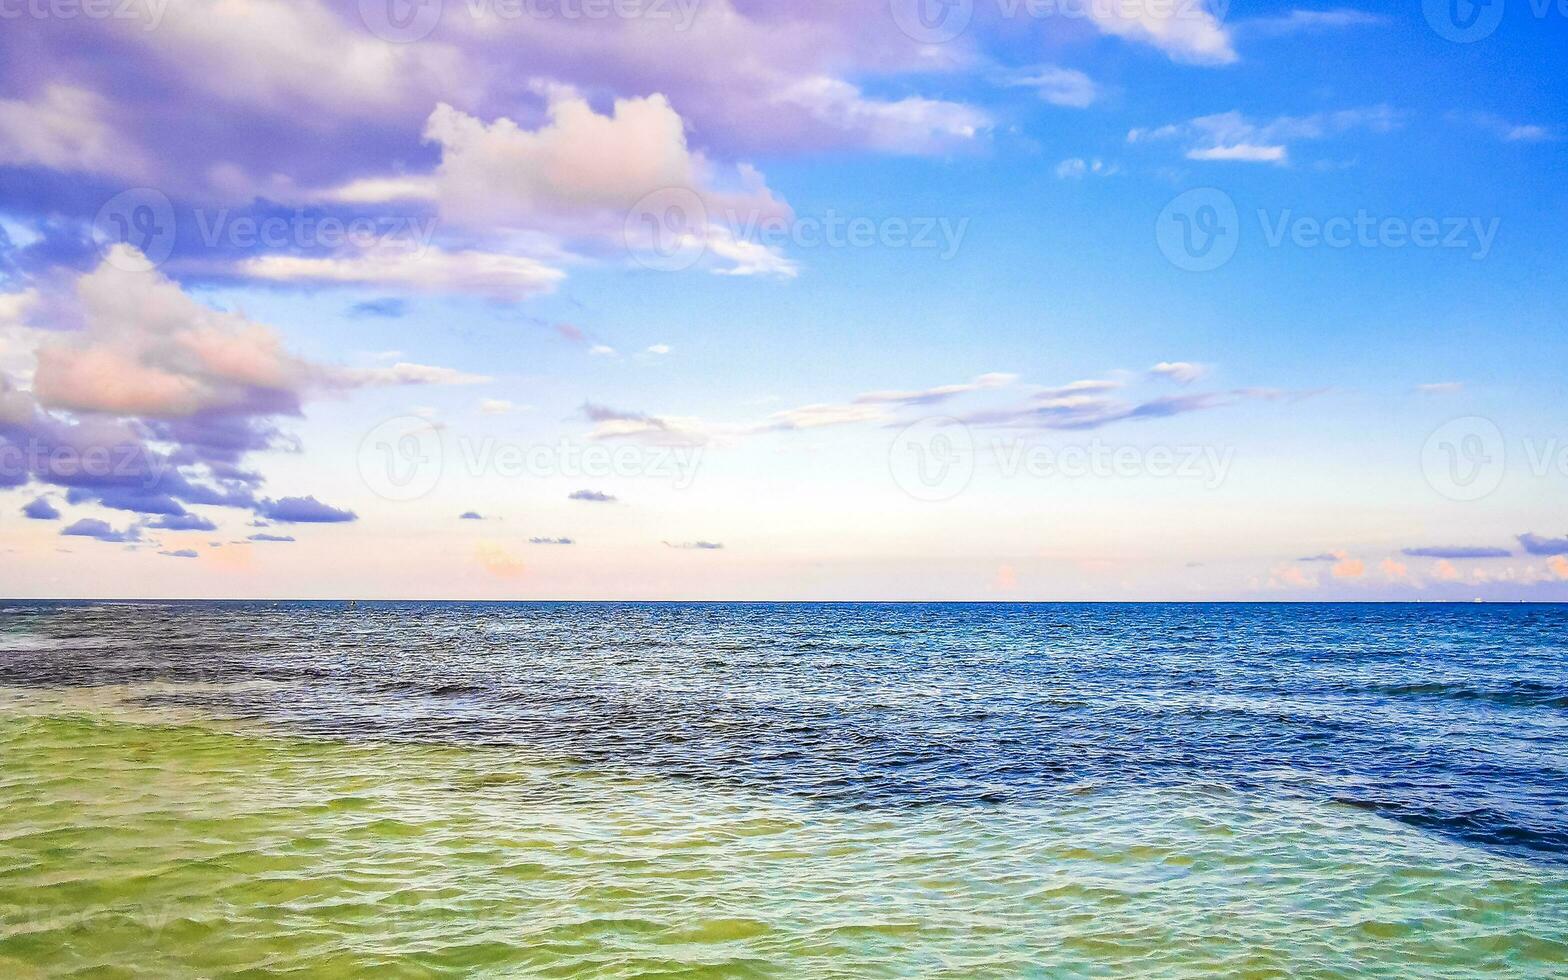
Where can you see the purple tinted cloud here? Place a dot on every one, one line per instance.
(591, 496)
(388, 307)
(551, 541)
(183, 522)
(1535, 544)
(89, 527)
(303, 510)
(272, 538)
(1458, 552)
(41, 510)
(181, 553)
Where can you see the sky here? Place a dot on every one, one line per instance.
(730, 299)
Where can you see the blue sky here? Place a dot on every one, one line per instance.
(922, 320)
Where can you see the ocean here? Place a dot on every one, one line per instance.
(755, 789)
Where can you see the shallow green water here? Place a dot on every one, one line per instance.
(131, 846)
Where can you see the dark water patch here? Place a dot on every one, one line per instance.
(1448, 718)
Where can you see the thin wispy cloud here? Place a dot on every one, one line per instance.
(1457, 552)
(1231, 136)
(1305, 21)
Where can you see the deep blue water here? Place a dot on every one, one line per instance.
(1452, 718)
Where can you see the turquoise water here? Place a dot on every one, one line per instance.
(181, 797)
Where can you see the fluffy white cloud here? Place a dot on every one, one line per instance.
(147, 349)
(592, 179)
(150, 350)
(1185, 31)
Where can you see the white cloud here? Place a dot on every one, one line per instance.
(1181, 372)
(14, 307)
(1059, 86)
(432, 270)
(64, 129)
(287, 54)
(496, 406)
(1527, 133)
(404, 373)
(1185, 31)
(909, 125)
(1307, 21)
(149, 349)
(584, 177)
(926, 396)
(1231, 136)
(1077, 168)
(658, 348)
(821, 415)
(1240, 152)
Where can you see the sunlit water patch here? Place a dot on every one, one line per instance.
(781, 790)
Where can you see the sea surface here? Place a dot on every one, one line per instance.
(816, 790)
